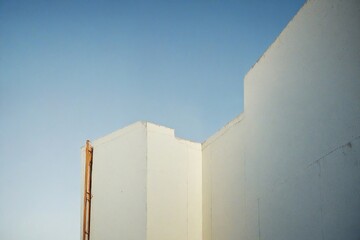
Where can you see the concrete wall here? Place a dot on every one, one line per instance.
(289, 166)
(286, 168)
(118, 209)
(146, 184)
(224, 183)
(174, 186)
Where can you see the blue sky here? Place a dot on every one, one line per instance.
(77, 70)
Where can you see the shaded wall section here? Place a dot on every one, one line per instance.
(289, 169)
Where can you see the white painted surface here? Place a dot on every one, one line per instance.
(174, 186)
(290, 168)
(146, 184)
(194, 191)
(287, 168)
(118, 209)
(223, 189)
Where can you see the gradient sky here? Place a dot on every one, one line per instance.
(77, 70)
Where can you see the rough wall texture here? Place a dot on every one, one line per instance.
(288, 167)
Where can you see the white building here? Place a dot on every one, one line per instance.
(287, 168)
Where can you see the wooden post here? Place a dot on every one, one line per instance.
(87, 190)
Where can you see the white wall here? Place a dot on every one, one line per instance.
(288, 167)
(174, 186)
(146, 184)
(224, 183)
(194, 190)
(118, 209)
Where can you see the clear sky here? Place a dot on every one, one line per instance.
(77, 70)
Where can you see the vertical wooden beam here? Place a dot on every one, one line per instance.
(87, 191)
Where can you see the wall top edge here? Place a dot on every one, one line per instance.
(118, 133)
(277, 40)
(153, 127)
(224, 129)
(148, 126)
(160, 129)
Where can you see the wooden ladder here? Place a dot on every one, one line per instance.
(87, 191)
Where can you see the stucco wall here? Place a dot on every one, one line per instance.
(289, 167)
(194, 190)
(174, 186)
(118, 209)
(146, 184)
(286, 168)
(224, 183)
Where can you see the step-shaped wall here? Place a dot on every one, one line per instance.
(289, 166)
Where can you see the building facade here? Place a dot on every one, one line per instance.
(288, 167)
